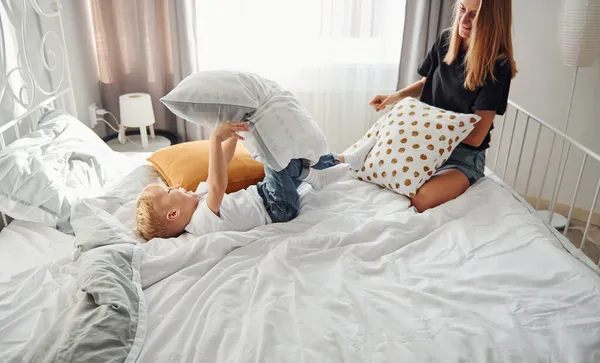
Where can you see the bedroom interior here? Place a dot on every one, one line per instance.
(508, 271)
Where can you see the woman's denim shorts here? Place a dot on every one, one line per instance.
(469, 161)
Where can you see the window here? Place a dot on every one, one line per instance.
(333, 54)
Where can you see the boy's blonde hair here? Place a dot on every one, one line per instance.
(151, 222)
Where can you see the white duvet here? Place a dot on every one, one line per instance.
(360, 277)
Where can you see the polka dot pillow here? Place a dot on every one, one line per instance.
(413, 140)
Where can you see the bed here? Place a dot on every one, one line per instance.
(358, 276)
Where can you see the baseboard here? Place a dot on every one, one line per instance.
(579, 214)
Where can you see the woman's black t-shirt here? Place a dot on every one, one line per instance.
(445, 89)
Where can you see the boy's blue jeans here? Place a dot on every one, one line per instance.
(279, 189)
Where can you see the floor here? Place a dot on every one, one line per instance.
(592, 246)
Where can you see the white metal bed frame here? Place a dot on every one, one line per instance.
(34, 99)
(31, 95)
(567, 144)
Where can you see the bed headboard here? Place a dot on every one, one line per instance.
(35, 73)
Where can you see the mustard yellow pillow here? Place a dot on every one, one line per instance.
(186, 164)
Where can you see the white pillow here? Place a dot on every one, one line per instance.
(413, 140)
(120, 200)
(281, 129)
(44, 172)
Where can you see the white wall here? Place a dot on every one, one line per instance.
(542, 87)
(544, 83)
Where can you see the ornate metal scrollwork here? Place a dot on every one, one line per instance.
(52, 56)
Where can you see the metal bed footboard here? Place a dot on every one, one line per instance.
(557, 175)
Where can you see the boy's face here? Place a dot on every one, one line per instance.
(177, 196)
(177, 203)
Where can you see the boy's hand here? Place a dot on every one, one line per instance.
(218, 162)
(231, 129)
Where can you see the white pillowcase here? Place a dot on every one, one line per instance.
(43, 173)
(281, 129)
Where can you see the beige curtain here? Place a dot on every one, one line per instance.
(133, 42)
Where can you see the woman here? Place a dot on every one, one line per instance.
(468, 70)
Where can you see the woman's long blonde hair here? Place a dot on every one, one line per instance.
(491, 41)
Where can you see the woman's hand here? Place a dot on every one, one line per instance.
(231, 129)
(380, 102)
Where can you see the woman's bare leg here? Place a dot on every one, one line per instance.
(445, 186)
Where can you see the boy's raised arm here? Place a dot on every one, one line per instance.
(218, 163)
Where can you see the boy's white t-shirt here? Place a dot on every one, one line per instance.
(240, 211)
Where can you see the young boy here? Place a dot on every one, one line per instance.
(167, 212)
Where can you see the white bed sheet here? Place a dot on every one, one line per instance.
(359, 276)
(24, 245)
